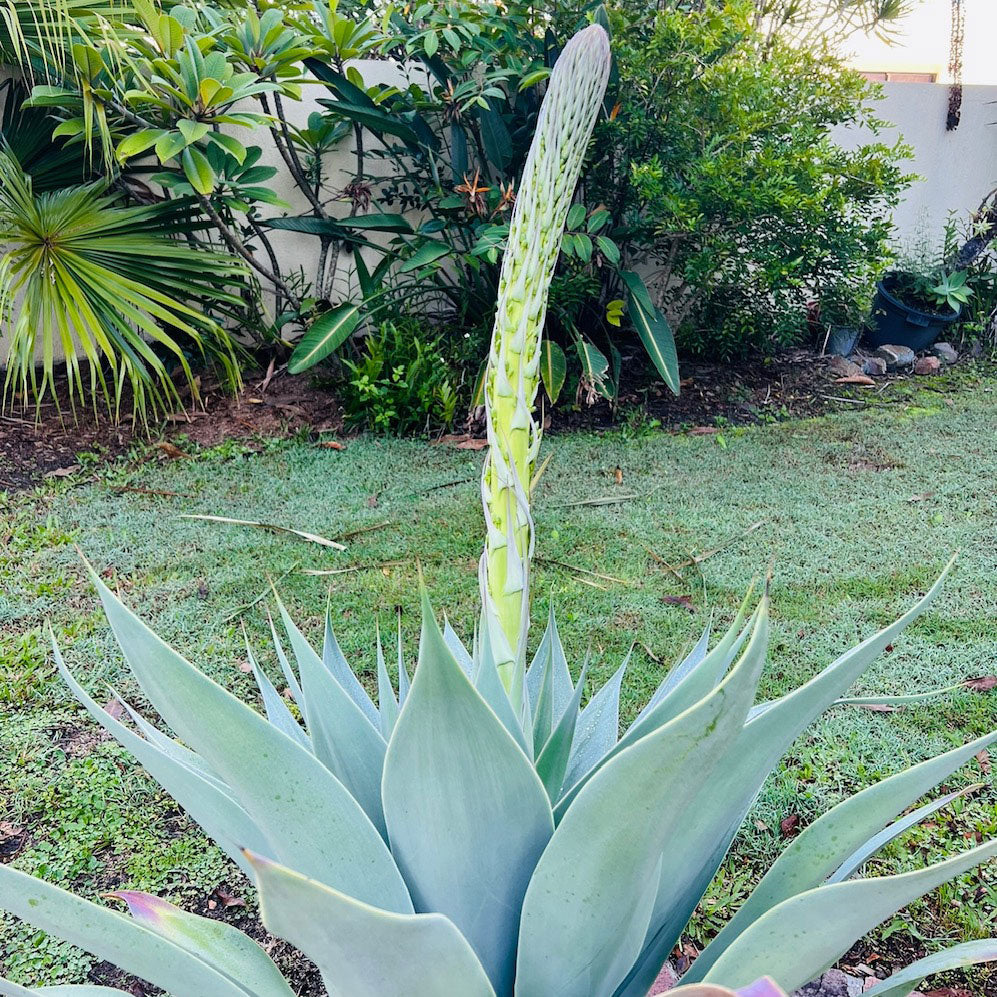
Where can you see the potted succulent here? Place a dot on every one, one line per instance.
(911, 309)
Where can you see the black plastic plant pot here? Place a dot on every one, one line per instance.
(901, 325)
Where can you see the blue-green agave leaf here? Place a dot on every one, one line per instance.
(365, 952)
(467, 815)
(907, 980)
(798, 939)
(386, 701)
(273, 702)
(303, 811)
(345, 739)
(336, 662)
(222, 946)
(819, 850)
(209, 803)
(590, 900)
(109, 935)
(722, 804)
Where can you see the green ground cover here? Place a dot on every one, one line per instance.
(859, 511)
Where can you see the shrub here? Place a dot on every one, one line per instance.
(400, 383)
(725, 184)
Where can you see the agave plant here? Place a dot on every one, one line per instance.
(478, 830)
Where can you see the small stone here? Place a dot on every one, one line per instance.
(874, 367)
(667, 979)
(927, 365)
(945, 352)
(896, 357)
(842, 367)
(834, 983)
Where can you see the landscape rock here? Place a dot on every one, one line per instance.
(945, 352)
(834, 983)
(927, 365)
(874, 367)
(896, 357)
(842, 367)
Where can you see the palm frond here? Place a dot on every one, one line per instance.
(119, 291)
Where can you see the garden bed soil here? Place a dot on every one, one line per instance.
(34, 446)
(47, 444)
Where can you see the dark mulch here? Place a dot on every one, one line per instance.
(32, 449)
(795, 384)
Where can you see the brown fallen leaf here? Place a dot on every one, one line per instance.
(877, 707)
(463, 441)
(172, 450)
(227, 899)
(946, 992)
(113, 708)
(983, 757)
(855, 379)
(685, 601)
(244, 666)
(790, 826)
(703, 430)
(62, 472)
(923, 497)
(618, 475)
(983, 683)
(331, 445)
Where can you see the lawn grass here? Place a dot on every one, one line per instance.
(859, 511)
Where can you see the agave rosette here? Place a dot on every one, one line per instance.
(484, 829)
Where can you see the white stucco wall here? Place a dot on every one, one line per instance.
(957, 169)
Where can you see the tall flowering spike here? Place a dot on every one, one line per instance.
(564, 127)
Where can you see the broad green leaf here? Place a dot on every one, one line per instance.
(532, 79)
(169, 145)
(210, 804)
(237, 151)
(723, 804)
(138, 142)
(553, 368)
(377, 222)
(197, 170)
(653, 329)
(362, 951)
(345, 739)
(467, 816)
(576, 217)
(594, 362)
(109, 935)
(192, 131)
(326, 334)
(822, 846)
(798, 939)
(222, 946)
(608, 248)
(906, 980)
(495, 137)
(298, 805)
(430, 43)
(427, 253)
(589, 902)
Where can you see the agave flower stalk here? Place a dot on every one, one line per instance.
(553, 165)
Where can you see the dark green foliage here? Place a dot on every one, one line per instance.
(721, 174)
(400, 383)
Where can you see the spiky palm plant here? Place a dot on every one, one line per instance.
(479, 835)
(109, 286)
